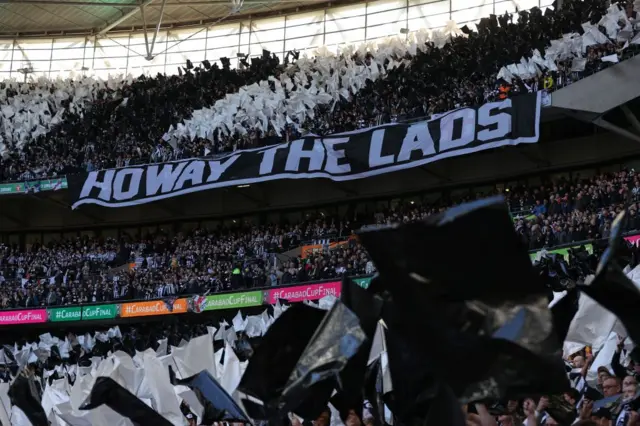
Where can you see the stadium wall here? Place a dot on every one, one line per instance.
(47, 211)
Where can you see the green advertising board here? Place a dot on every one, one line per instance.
(362, 282)
(33, 186)
(233, 300)
(99, 312)
(64, 314)
(563, 251)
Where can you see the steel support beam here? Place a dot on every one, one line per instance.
(631, 117)
(155, 35)
(68, 3)
(225, 2)
(149, 47)
(122, 19)
(131, 5)
(144, 30)
(616, 129)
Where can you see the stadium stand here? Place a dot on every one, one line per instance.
(85, 270)
(204, 112)
(573, 301)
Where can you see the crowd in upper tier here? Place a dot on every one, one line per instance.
(51, 128)
(86, 270)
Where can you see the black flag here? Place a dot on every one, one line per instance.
(24, 394)
(219, 406)
(107, 392)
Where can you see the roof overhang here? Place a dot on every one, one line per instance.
(64, 18)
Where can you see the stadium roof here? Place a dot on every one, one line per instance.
(51, 18)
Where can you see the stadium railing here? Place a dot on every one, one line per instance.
(96, 313)
(246, 298)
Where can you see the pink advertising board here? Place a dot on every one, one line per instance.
(27, 316)
(634, 239)
(304, 292)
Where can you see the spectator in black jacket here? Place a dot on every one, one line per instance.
(634, 365)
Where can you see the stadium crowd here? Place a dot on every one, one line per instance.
(616, 380)
(101, 119)
(51, 128)
(604, 377)
(86, 270)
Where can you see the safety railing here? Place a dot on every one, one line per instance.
(177, 304)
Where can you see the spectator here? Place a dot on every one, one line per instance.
(611, 386)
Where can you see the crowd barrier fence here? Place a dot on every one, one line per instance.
(181, 304)
(178, 304)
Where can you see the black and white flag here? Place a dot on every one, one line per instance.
(339, 157)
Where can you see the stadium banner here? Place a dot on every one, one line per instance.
(245, 299)
(99, 312)
(339, 157)
(156, 307)
(33, 186)
(65, 314)
(535, 256)
(25, 316)
(634, 239)
(363, 282)
(233, 300)
(303, 293)
(309, 250)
